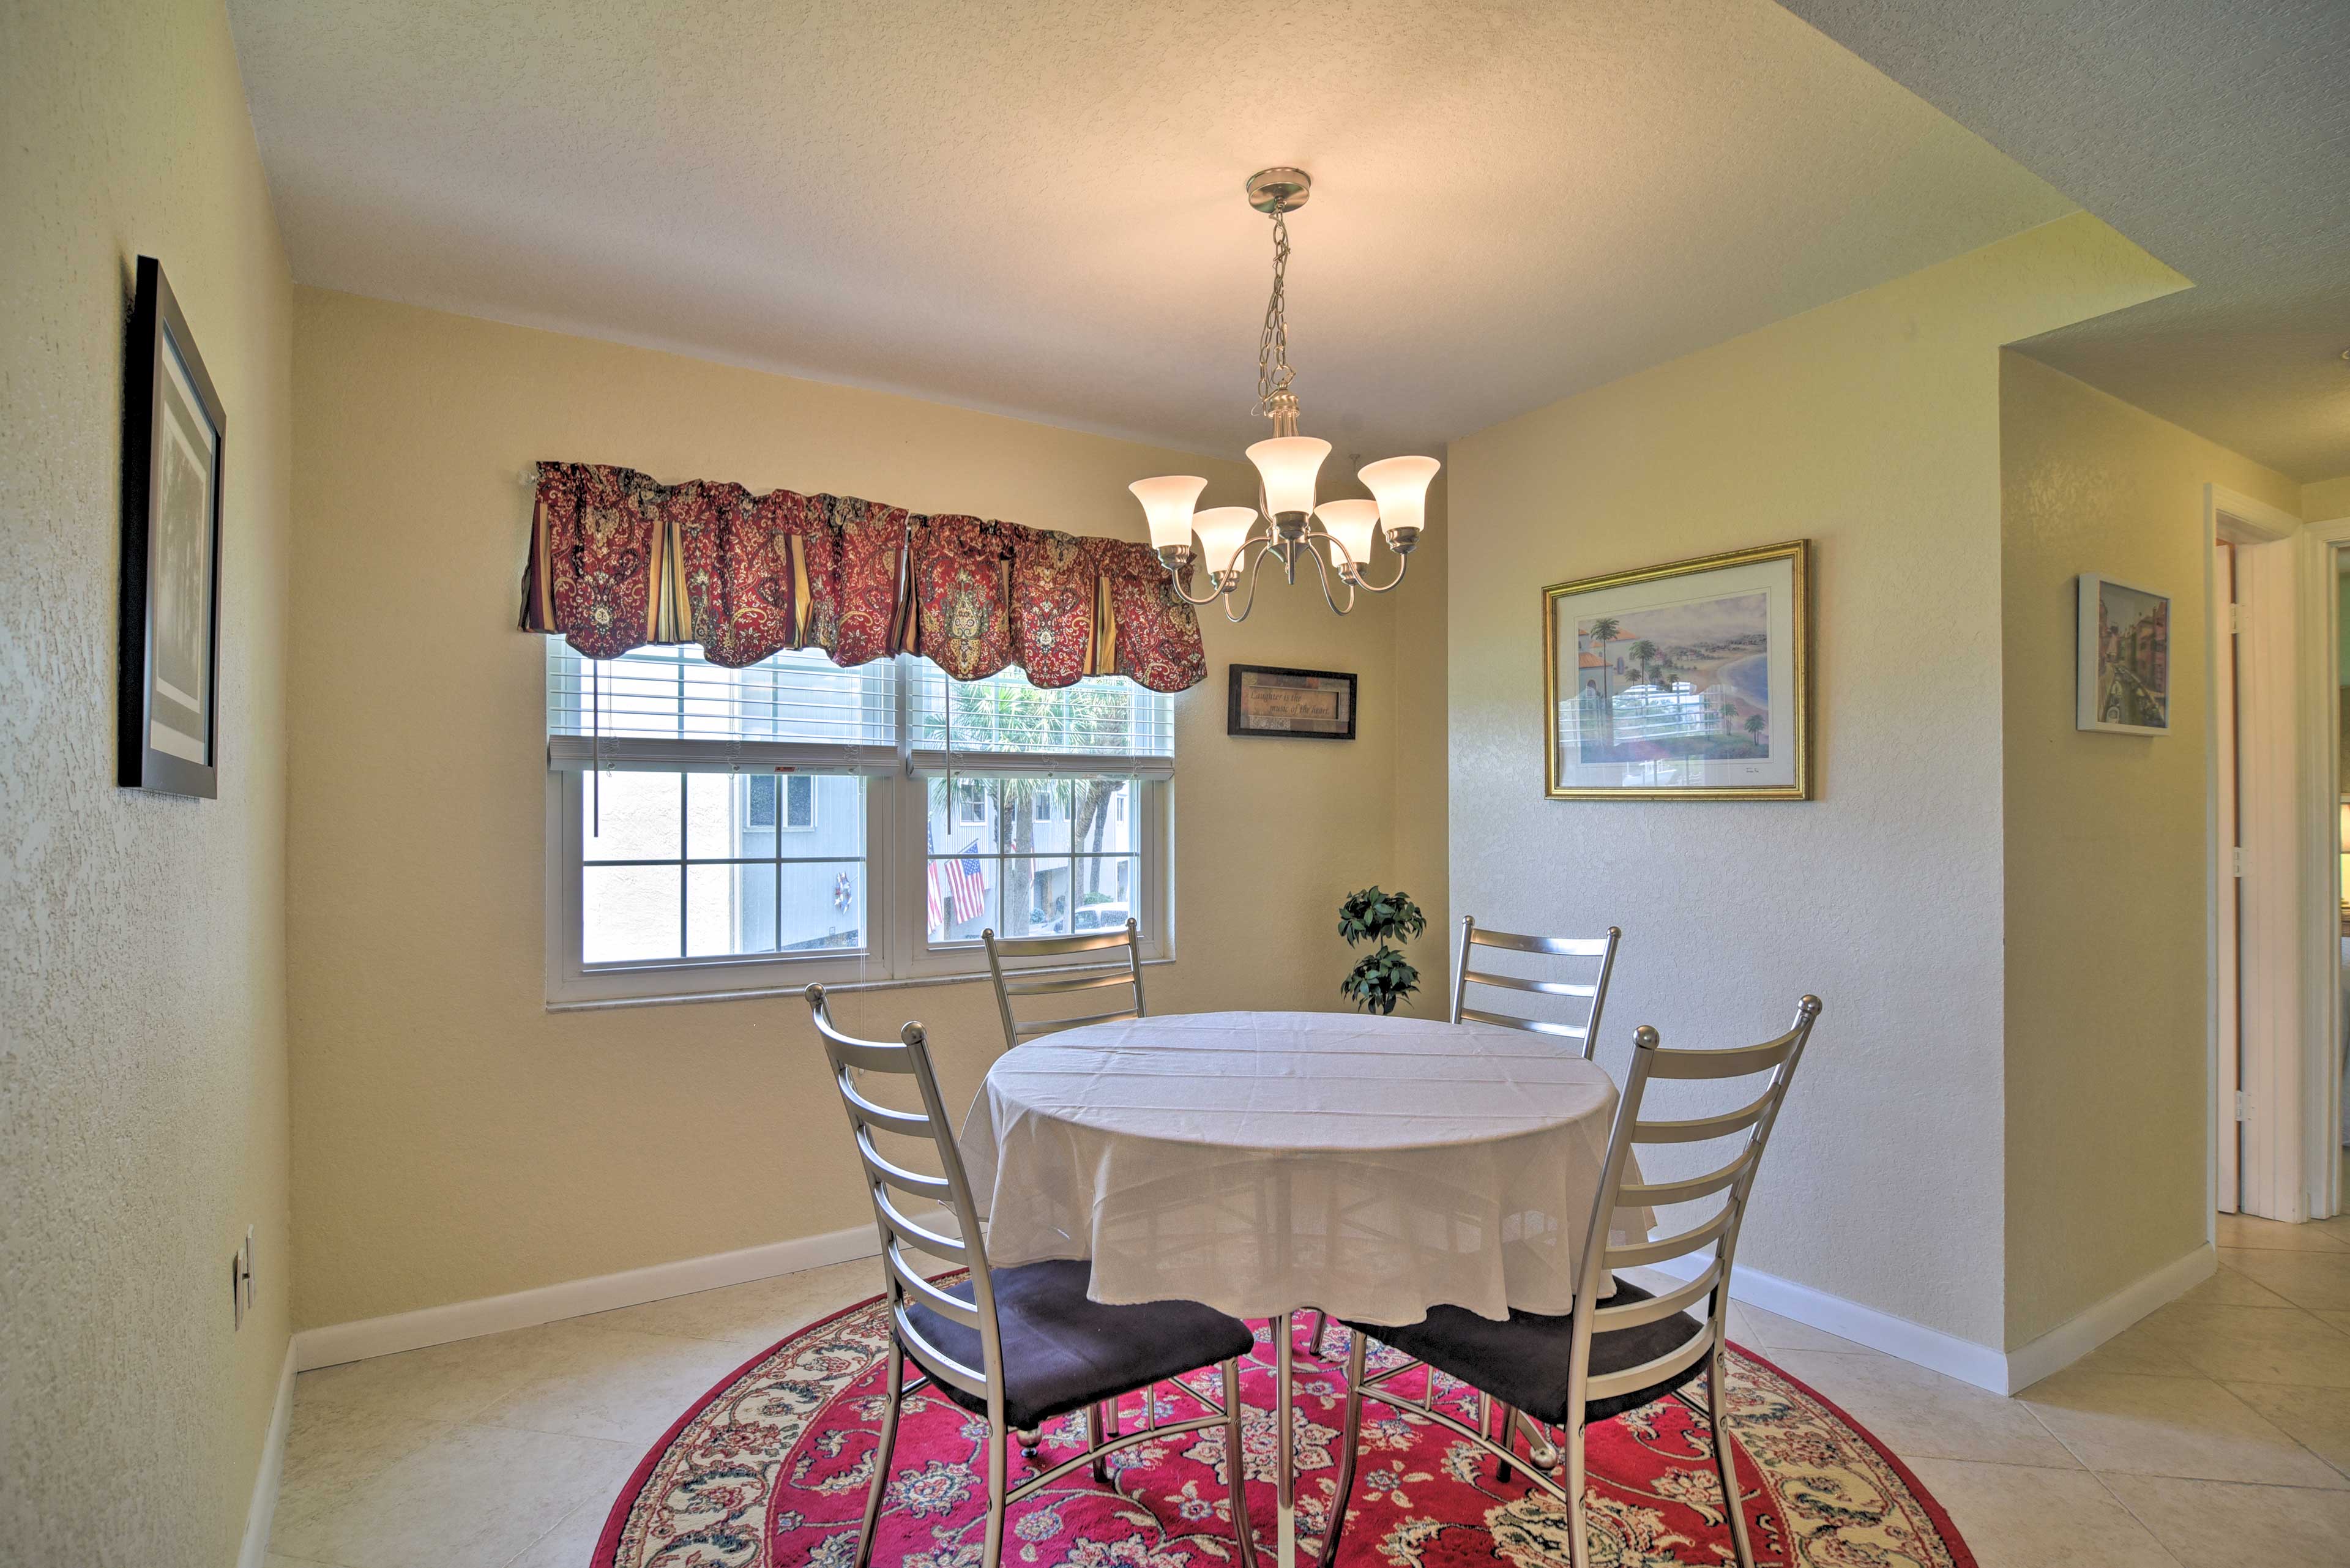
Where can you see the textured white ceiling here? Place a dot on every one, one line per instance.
(2215, 135)
(1037, 207)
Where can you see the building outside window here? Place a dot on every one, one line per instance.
(716, 830)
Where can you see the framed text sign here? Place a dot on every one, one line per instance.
(1315, 704)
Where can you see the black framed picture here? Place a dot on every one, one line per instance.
(1313, 704)
(172, 442)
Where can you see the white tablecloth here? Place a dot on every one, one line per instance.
(1261, 1162)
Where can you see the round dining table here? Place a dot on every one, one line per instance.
(1269, 1162)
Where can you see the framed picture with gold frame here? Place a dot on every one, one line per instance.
(1686, 682)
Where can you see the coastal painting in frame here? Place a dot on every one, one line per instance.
(1685, 682)
(2124, 686)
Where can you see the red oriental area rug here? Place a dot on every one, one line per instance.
(770, 1469)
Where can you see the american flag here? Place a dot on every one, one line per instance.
(963, 880)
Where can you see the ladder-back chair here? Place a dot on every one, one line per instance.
(1123, 969)
(1613, 1354)
(1598, 952)
(1018, 1345)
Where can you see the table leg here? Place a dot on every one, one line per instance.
(1284, 1446)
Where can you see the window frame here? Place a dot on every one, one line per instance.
(897, 950)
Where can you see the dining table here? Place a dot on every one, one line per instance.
(1269, 1163)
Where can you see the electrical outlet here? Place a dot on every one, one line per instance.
(240, 1280)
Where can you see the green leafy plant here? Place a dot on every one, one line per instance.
(1385, 978)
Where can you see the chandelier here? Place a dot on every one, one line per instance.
(1287, 465)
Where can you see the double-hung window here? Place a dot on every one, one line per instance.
(714, 831)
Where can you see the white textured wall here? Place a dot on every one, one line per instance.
(142, 1062)
(1871, 426)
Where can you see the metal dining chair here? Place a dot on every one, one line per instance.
(1019, 1345)
(1065, 980)
(1610, 1355)
(1584, 1030)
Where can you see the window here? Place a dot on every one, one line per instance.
(799, 801)
(718, 830)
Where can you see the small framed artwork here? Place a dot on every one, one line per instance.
(1685, 682)
(2124, 686)
(174, 429)
(1314, 704)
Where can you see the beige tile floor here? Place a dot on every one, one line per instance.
(2217, 1430)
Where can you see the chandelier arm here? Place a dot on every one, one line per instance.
(1323, 572)
(1263, 548)
(1402, 562)
(1175, 581)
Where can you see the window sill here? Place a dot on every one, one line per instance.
(759, 993)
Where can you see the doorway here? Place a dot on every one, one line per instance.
(2276, 794)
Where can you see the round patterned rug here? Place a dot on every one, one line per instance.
(769, 1469)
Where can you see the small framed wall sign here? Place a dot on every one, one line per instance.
(1689, 680)
(2124, 686)
(168, 701)
(1314, 704)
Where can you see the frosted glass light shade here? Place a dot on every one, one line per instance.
(1351, 522)
(1400, 483)
(1167, 502)
(1222, 530)
(1287, 465)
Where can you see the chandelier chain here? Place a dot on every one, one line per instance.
(1274, 397)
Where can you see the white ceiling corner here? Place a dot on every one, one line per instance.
(2217, 136)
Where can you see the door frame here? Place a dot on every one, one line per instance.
(2286, 977)
(2320, 1079)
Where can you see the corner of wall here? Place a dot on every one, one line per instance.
(2106, 853)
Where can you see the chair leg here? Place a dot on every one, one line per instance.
(992, 1552)
(1321, 1327)
(1578, 1551)
(882, 1450)
(1509, 1440)
(1096, 1434)
(1725, 1450)
(1030, 1441)
(1350, 1441)
(1236, 1467)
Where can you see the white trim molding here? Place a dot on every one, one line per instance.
(2002, 1371)
(262, 1511)
(338, 1343)
(2076, 1337)
(2276, 757)
(2321, 1082)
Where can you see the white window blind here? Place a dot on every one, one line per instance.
(670, 710)
(1105, 725)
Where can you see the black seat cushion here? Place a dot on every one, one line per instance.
(1524, 1362)
(1063, 1352)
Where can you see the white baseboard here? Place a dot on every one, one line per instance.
(2074, 1338)
(1914, 1342)
(2001, 1371)
(262, 1511)
(316, 1347)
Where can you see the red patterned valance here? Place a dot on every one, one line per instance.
(617, 561)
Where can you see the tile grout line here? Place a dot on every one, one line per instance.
(2133, 1516)
(560, 1523)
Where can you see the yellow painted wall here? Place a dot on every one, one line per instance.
(2326, 500)
(2107, 851)
(1870, 426)
(142, 1047)
(453, 1140)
